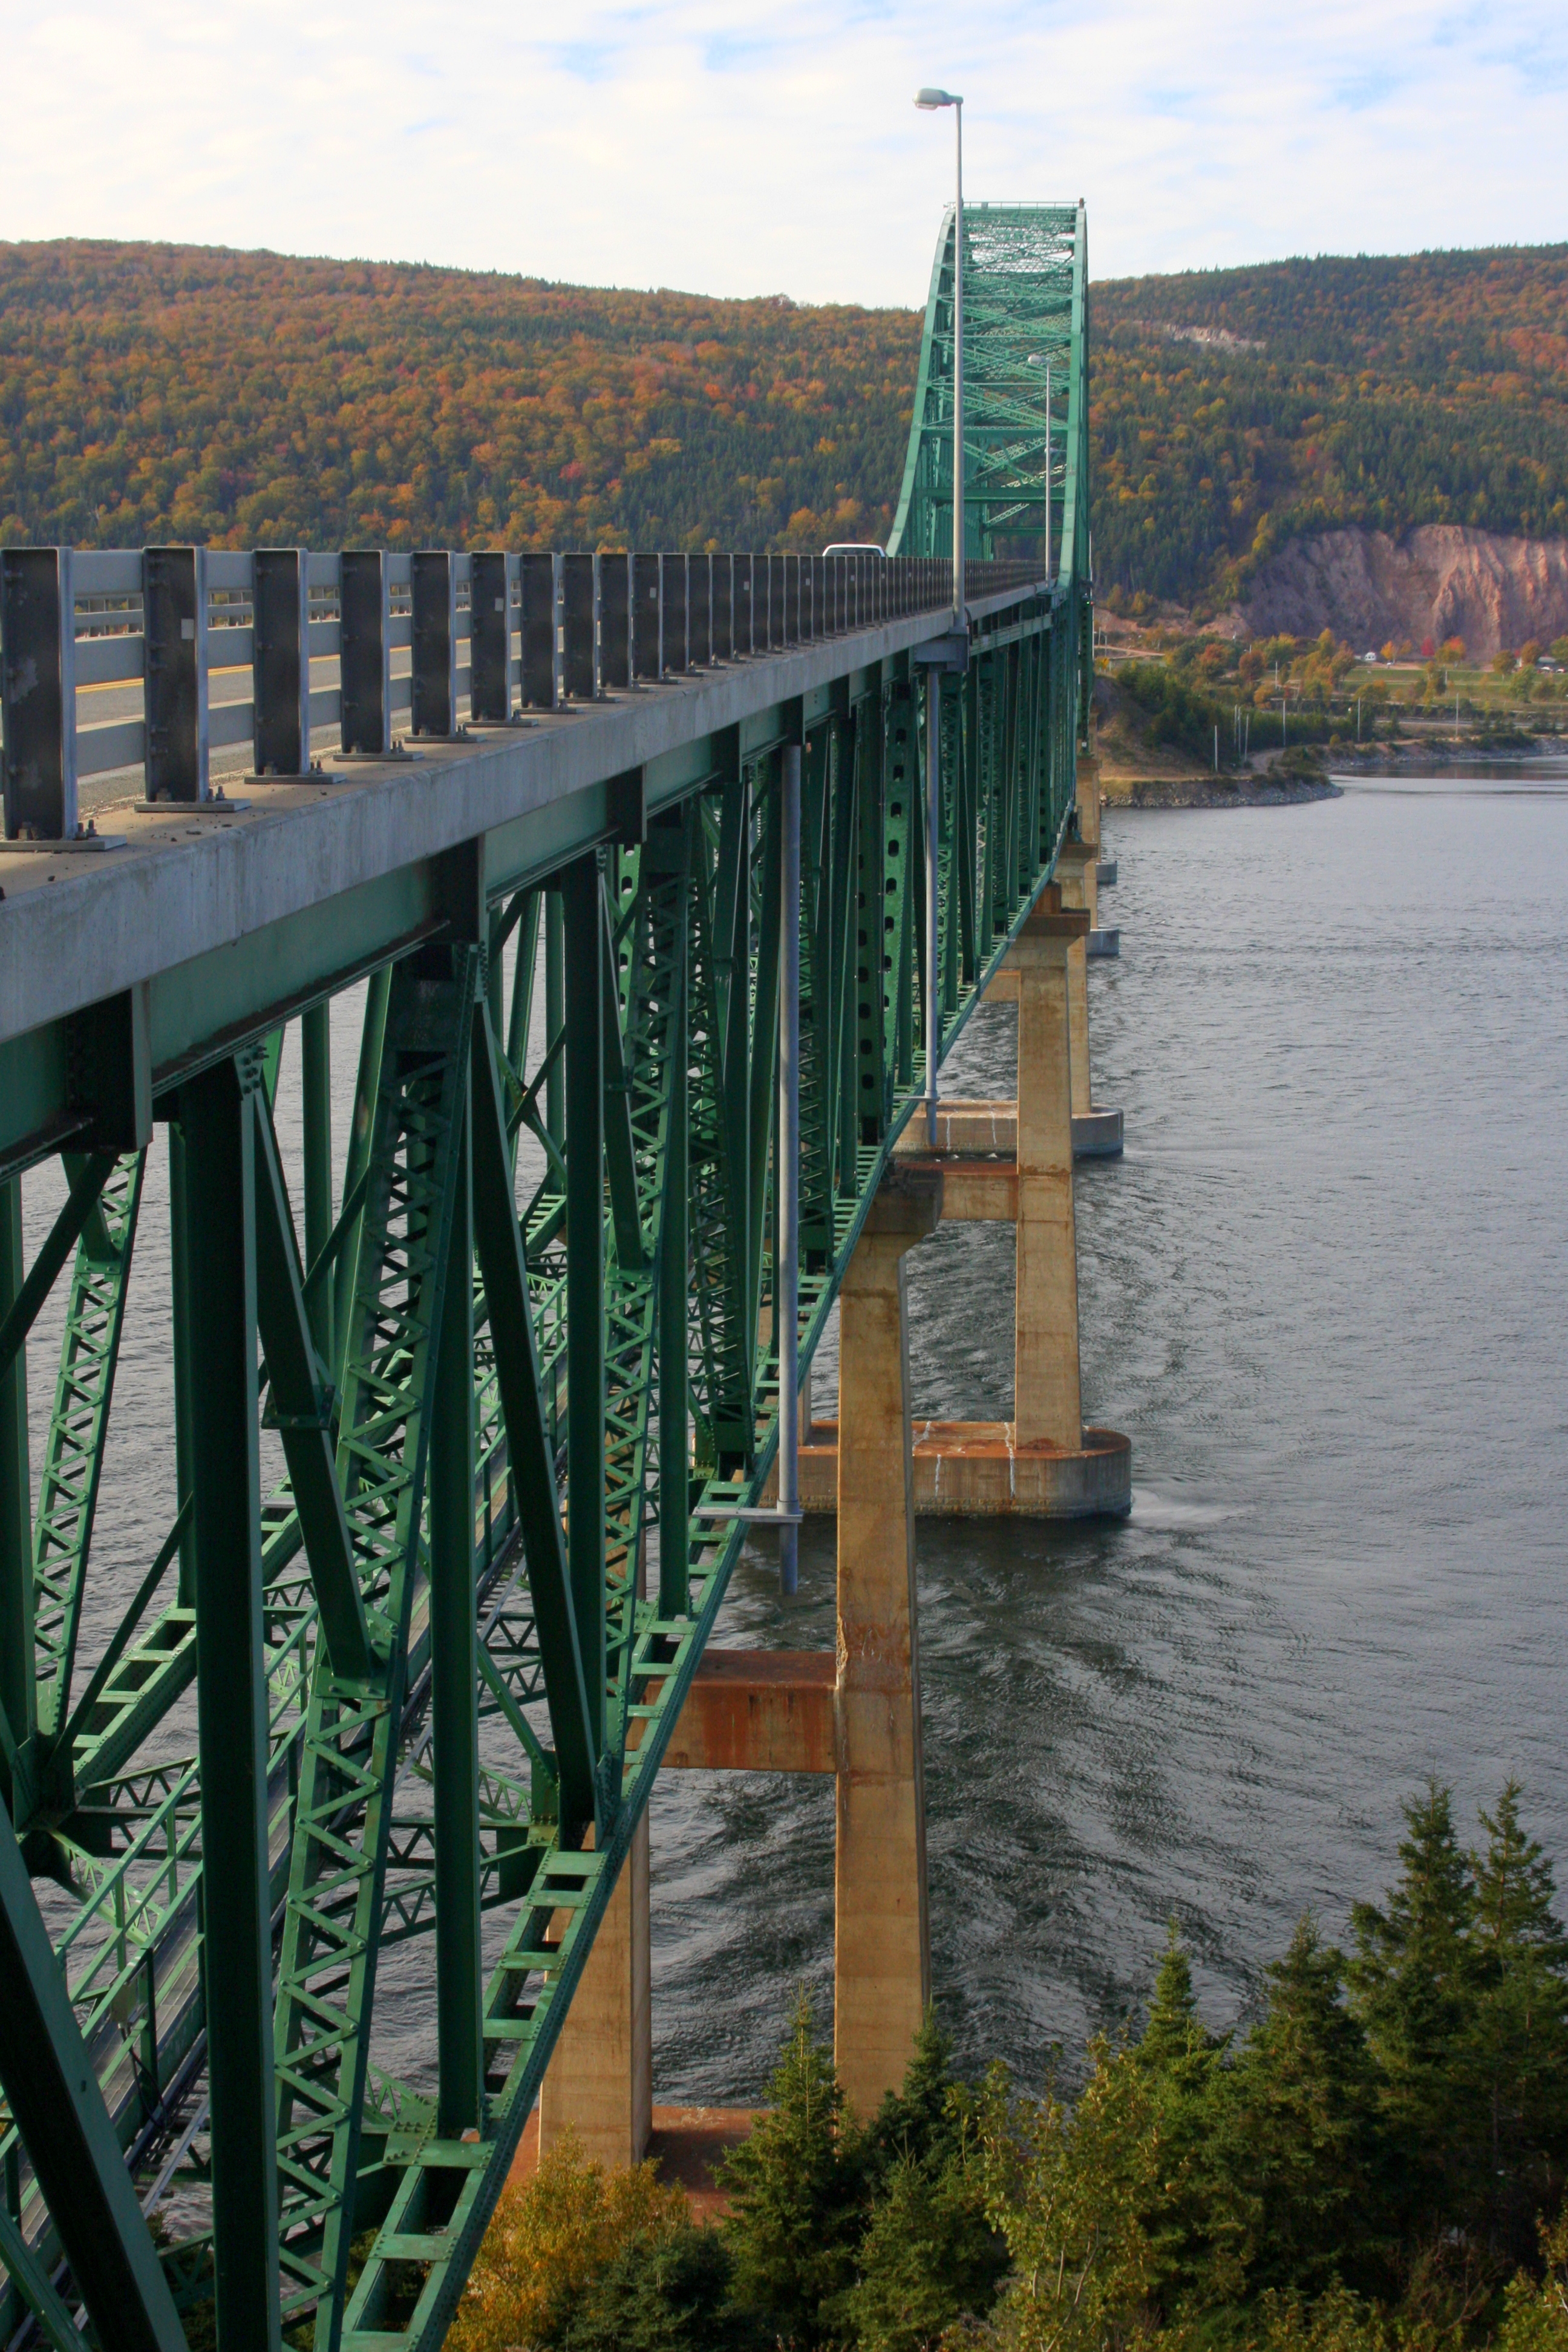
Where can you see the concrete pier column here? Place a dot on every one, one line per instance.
(600, 2078)
(1089, 831)
(1075, 869)
(881, 1967)
(1048, 1404)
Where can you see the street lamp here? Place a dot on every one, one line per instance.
(929, 101)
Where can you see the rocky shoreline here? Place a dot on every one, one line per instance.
(1222, 792)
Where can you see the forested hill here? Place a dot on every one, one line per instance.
(157, 392)
(1237, 409)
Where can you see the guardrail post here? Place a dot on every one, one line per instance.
(538, 631)
(615, 623)
(434, 706)
(699, 610)
(579, 625)
(174, 629)
(489, 638)
(38, 621)
(646, 640)
(280, 661)
(364, 659)
(724, 608)
(745, 603)
(672, 614)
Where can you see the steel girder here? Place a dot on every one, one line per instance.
(335, 1639)
(433, 1678)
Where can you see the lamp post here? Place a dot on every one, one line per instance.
(929, 101)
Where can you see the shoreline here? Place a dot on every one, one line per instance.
(1239, 792)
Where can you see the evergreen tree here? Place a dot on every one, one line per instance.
(1521, 2030)
(930, 2256)
(798, 2199)
(928, 2260)
(1415, 1981)
(1196, 2222)
(669, 2293)
(1301, 2127)
(923, 2120)
(1174, 2049)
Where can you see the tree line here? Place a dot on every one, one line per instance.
(1377, 2165)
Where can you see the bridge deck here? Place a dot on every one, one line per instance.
(215, 910)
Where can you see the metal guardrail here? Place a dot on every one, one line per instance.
(491, 632)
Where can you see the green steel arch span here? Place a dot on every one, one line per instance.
(390, 1694)
(1024, 393)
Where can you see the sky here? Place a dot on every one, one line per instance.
(771, 146)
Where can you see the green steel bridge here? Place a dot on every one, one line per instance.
(758, 830)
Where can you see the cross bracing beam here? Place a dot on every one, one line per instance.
(519, 1330)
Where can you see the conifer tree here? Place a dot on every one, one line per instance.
(664, 2293)
(930, 2256)
(1301, 2127)
(797, 2201)
(921, 2120)
(1521, 2030)
(1196, 2223)
(1416, 1981)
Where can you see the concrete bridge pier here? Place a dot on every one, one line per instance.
(599, 2082)
(1096, 1132)
(1097, 872)
(882, 1951)
(855, 1714)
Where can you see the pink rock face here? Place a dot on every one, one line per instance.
(1438, 582)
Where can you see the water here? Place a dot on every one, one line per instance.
(1324, 1293)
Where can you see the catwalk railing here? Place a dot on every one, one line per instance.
(412, 638)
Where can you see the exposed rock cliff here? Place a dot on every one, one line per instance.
(1438, 582)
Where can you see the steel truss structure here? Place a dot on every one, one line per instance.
(488, 1394)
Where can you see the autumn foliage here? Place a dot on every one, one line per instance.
(152, 393)
(156, 392)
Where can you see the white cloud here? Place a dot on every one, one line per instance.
(750, 149)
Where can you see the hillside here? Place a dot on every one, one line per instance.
(151, 391)
(159, 391)
(1238, 410)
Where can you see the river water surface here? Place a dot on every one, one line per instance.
(1325, 1294)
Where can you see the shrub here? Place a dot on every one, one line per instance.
(554, 2238)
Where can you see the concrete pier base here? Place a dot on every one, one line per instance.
(1097, 1134)
(988, 1130)
(1103, 943)
(1105, 873)
(977, 1470)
